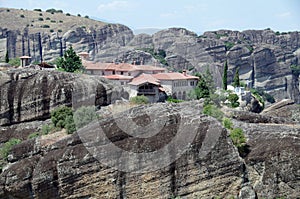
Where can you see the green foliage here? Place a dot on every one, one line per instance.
(227, 123)
(48, 18)
(160, 55)
(250, 48)
(262, 96)
(40, 14)
(86, 16)
(7, 146)
(295, 69)
(70, 62)
(233, 98)
(45, 26)
(68, 14)
(225, 75)
(22, 16)
(78, 15)
(6, 57)
(14, 62)
(213, 111)
(53, 21)
(139, 99)
(52, 11)
(51, 30)
(228, 45)
(61, 21)
(84, 115)
(59, 30)
(172, 100)
(236, 79)
(8, 10)
(59, 115)
(37, 9)
(238, 138)
(33, 135)
(277, 33)
(40, 19)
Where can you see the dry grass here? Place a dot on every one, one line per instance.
(22, 19)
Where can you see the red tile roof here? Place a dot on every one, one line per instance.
(145, 78)
(118, 77)
(174, 76)
(120, 67)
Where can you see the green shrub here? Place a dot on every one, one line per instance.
(41, 14)
(22, 16)
(238, 138)
(86, 17)
(8, 10)
(172, 100)
(7, 146)
(33, 135)
(14, 62)
(53, 21)
(40, 19)
(139, 99)
(68, 14)
(227, 123)
(213, 111)
(70, 124)
(228, 45)
(45, 26)
(59, 30)
(61, 21)
(84, 115)
(78, 15)
(37, 9)
(233, 98)
(51, 30)
(59, 115)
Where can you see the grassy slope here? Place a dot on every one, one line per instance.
(12, 20)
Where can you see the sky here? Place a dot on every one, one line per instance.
(195, 15)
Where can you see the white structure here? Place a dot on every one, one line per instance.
(177, 85)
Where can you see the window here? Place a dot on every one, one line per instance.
(122, 83)
(114, 72)
(192, 83)
(122, 73)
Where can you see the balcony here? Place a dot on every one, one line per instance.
(146, 92)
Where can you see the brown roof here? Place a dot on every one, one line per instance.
(118, 77)
(120, 67)
(144, 78)
(173, 76)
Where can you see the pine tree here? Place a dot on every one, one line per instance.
(225, 76)
(70, 62)
(6, 57)
(236, 79)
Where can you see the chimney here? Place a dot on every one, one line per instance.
(184, 72)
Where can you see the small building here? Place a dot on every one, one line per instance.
(177, 85)
(147, 85)
(119, 79)
(24, 61)
(83, 55)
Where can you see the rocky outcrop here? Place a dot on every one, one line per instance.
(208, 166)
(28, 95)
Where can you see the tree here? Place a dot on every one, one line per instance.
(202, 90)
(236, 79)
(70, 62)
(225, 76)
(6, 57)
(233, 98)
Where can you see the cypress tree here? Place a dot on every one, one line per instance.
(225, 76)
(6, 57)
(236, 79)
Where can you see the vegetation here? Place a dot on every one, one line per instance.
(236, 79)
(40, 19)
(228, 45)
(225, 76)
(37, 9)
(213, 111)
(262, 96)
(6, 57)
(227, 123)
(172, 100)
(14, 62)
(7, 146)
(70, 62)
(62, 117)
(78, 15)
(84, 115)
(139, 99)
(22, 16)
(238, 138)
(233, 98)
(52, 11)
(68, 14)
(45, 26)
(86, 16)
(295, 69)
(160, 55)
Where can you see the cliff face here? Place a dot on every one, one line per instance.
(263, 56)
(28, 95)
(209, 167)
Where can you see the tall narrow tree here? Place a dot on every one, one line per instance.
(236, 79)
(6, 57)
(225, 76)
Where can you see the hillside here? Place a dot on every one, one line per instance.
(42, 21)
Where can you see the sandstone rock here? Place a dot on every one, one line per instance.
(29, 95)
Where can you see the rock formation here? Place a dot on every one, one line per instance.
(209, 167)
(28, 95)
